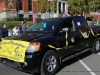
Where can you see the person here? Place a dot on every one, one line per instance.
(92, 23)
(24, 27)
(99, 22)
(20, 27)
(98, 19)
(4, 31)
(15, 30)
(9, 33)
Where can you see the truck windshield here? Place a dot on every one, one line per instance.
(45, 26)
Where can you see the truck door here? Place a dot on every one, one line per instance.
(82, 31)
(74, 42)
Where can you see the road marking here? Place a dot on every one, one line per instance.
(92, 73)
(99, 53)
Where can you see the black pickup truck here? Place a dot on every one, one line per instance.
(45, 45)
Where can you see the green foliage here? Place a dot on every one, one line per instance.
(54, 5)
(45, 5)
(87, 5)
(11, 24)
(10, 3)
(38, 19)
(16, 19)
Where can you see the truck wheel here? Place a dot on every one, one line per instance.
(50, 63)
(96, 46)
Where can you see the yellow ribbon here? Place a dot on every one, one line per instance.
(67, 37)
(83, 34)
(93, 33)
(62, 47)
(89, 32)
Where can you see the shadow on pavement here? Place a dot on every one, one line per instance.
(73, 60)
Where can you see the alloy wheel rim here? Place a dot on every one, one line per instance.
(51, 63)
(97, 45)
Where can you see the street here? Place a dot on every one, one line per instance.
(85, 64)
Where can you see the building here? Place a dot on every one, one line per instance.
(25, 9)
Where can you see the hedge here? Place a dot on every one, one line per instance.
(11, 24)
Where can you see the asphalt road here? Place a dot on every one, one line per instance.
(85, 64)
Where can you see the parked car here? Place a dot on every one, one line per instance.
(49, 43)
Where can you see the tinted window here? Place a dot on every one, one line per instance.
(44, 26)
(79, 21)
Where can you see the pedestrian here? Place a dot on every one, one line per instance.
(20, 27)
(4, 31)
(9, 33)
(99, 22)
(98, 18)
(15, 30)
(24, 27)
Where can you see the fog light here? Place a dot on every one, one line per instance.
(25, 64)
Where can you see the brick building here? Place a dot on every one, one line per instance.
(25, 8)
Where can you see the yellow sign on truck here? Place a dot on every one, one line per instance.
(13, 50)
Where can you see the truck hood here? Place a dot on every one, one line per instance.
(26, 36)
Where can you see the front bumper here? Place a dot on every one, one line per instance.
(31, 64)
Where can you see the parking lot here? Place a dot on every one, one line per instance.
(85, 64)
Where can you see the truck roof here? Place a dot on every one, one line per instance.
(57, 18)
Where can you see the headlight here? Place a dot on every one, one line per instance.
(33, 47)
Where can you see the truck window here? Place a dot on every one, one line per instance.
(68, 25)
(80, 23)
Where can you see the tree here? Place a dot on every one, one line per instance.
(87, 5)
(46, 5)
(8, 2)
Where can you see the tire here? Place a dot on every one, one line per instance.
(96, 46)
(50, 63)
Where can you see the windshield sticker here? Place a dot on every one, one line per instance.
(44, 24)
(78, 23)
(13, 50)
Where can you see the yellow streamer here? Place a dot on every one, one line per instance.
(83, 35)
(62, 47)
(91, 31)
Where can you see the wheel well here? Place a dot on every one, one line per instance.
(47, 51)
(93, 40)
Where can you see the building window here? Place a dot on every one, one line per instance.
(30, 5)
(63, 7)
(19, 5)
(30, 16)
(59, 7)
(21, 15)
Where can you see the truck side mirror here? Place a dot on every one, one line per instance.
(63, 31)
